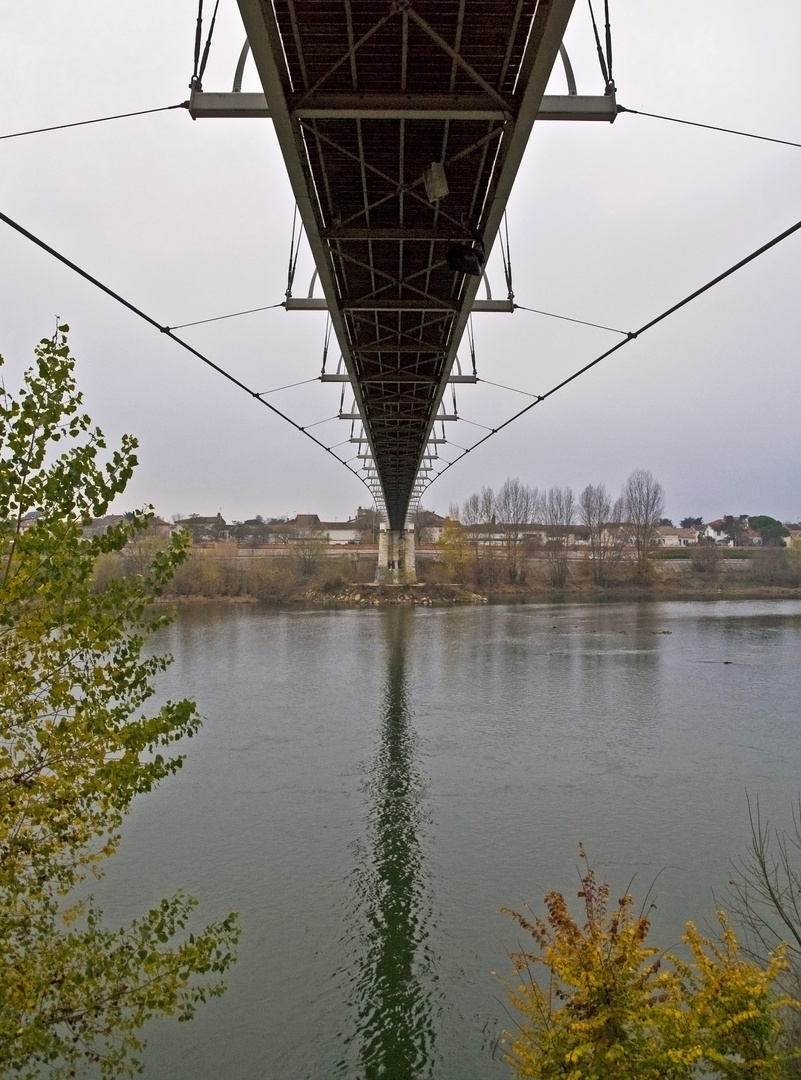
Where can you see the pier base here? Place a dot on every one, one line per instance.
(396, 556)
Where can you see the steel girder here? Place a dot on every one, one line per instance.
(365, 97)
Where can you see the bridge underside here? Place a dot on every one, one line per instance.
(402, 126)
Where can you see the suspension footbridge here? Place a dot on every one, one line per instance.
(402, 125)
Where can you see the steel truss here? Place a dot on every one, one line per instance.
(402, 126)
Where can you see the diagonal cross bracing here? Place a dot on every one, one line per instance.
(365, 95)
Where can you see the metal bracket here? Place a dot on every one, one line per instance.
(343, 377)
(319, 303)
(205, 105)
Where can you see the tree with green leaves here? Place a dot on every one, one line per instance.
(76, 747)
(770, 530)
(734, 528)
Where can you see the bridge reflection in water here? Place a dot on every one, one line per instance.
(391, 992)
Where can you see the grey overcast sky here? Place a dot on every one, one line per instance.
(610, 224)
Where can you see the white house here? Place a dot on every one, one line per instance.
(669, 537)
(714, 531)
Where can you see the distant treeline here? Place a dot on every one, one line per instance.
(498, 533)
(464, 558)
(517, 539)
(508, 535)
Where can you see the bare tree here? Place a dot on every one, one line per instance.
(560, 516)
(308, 545)
(516, 505)
(471, 510)
(489, 516)
(602, 520)
(764, 888)
(488, 504)
(474, 525)
(644, 501)
(478, 519)
(282, 532)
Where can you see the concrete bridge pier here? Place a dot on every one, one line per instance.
(396, 556)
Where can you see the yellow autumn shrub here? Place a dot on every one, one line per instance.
(598, 1003)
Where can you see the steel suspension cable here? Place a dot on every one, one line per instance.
(219, 318)
(506, 256)
(205, 60)
(289, 386)
(326, 340)
(631, 336)
(98, 120)
(599, 49)
(293, 254)
(198, 39)
(169, 333)
(472, 343)
(566, 318)
(512, 389)
(608, 31)
(709, 127)
(473, 423)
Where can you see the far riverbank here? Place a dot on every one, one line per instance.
(349, 580)
(426, 594)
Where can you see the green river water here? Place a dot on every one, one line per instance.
(371, 786)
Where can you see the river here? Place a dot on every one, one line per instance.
(370, 787)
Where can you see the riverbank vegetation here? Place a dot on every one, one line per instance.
(517, 543)
(466, 563)
(611, 1007)
(77, 746)
(220, 572)
(537, 541)
(763, 896)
